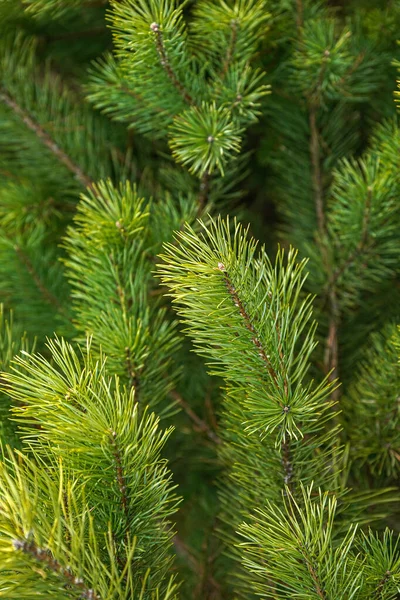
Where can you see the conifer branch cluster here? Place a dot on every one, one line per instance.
(186, 412)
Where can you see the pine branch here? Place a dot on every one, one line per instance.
(46, 139)
(46, 560)
(74, 414)
(110, 267)
(247, 322)
(360, 245)
(167, 66)
(310, 562)
(314, 575)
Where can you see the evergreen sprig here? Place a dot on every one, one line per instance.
(53, 545)
(372, 403)
(110, 263)
(251, 320)
(159, 71)
(71, 413)
(311, 563)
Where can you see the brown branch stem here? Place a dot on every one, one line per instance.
(287, 465)
(204, 191)
(382, 583)
(46, 139)
(318, 586)
(231, 48)
(120, 474)
(200, 424)
(45, 558)
(162, 53)
(316, 168)
(331, 357)
(285, 446)
(248, 324)
(299, 15)
(133, 379)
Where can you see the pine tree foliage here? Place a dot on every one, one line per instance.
(284, 445)
(111, 251)
(84, 428)
(51, 158)
(372, 402)
(251, 320)
(163, 80)
(310, 562)
(37, 97)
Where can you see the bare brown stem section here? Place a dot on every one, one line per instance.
(120, 473)
(199, 423)
(45, 558)
(204, 191)
(162, 53)
(231, 48)
(248, 324)
(318, 586)
(331, 357)
(316, 169)
(287, 465)
(300, 14)
(133, 379)
(46, 139)
(285, 446)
